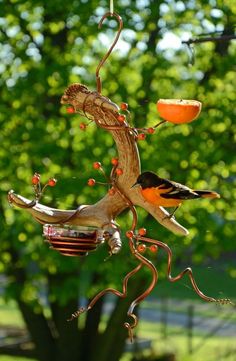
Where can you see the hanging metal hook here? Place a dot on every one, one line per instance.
(111, 6)
(119, 19)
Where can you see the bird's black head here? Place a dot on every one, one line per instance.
(148, 179)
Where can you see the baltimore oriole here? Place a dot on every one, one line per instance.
(166, 193)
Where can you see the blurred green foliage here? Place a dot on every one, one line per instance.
(45, 46)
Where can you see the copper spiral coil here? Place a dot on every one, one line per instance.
(71, 246)
(73, 242)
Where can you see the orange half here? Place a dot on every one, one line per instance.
(179, 110)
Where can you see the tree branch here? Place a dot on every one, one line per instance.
(209, 38)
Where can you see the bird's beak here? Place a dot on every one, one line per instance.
(135, 185)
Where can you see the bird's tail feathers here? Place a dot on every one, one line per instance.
(207, 194)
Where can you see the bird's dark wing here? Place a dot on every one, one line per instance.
(176, 190)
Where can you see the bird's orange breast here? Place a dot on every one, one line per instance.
(153, 195)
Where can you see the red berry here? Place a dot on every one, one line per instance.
(52, 182)
(70, 110)
(97, 165)
(121, 118)
(153, 248)
(82, 126)
(119, 171)
(91, 182)
(114, 161)
(142, 231)
(129, 234)
(141, 248)
(151, 130)
(35, 178)
(124, 106)
(111, 191)
(141, 136)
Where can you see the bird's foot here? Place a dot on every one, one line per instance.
(169, 216)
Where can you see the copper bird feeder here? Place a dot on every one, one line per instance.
(73, 240)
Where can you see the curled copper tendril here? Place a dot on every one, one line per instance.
(187, 271)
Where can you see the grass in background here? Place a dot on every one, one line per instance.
(209, 349)
(11, 358)
(215, 348)
(10, 315)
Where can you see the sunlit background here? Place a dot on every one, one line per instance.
(44, 47)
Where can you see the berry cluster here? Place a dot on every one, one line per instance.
(143, 131)
(98, 166)
(122, 119)
(141, 247)
(71, 110)
(38, 190)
